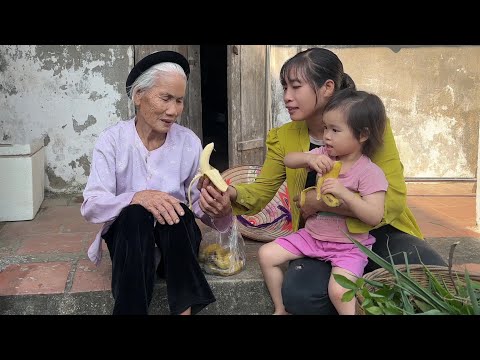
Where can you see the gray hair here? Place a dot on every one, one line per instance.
(147, 79)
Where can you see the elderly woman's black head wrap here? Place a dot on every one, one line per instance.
(153, 59)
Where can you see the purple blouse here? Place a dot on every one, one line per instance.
(122, 166)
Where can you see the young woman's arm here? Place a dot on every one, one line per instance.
(249, 198)
(388, 159)
(296, 160)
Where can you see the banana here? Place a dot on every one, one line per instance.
(208, 170)
(329, 199)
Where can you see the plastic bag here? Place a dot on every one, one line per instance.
(223, 253)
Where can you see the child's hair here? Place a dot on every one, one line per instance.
(365, 114)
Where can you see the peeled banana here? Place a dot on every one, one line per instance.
(328, 199)
(208, 170)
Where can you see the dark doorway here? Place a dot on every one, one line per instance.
(213, 60)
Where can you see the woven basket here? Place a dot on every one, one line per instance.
(274, 220)
(417, 273)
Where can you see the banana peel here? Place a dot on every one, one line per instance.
(303, 194)
(220, 261)
(236, 268)
(216, 254)
(205, 169)
(328, 199)
(207, 251)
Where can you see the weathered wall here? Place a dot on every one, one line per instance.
(68, 95)
(478, 188)
(431, 95)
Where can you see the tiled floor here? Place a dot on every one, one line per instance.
(444, 209)
(48, 254)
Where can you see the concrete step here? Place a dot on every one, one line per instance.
(44, 269)
(241, 294)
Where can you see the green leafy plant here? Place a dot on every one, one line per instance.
(406, 296)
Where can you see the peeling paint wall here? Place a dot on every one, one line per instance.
(67, 95)
(477, 213)
(431, 95)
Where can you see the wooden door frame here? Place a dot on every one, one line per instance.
(237, 142)
(234, 101)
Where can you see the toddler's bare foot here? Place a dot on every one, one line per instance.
(281, 312)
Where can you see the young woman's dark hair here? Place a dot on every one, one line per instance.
(315, 66)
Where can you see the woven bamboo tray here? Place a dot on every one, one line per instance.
(417, 273)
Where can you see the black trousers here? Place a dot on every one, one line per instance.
(305, 285)
(131, 241)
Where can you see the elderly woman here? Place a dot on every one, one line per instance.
(140, 172)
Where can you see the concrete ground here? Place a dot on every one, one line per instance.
(44, 268)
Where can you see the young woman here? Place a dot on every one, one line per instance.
(310, 78)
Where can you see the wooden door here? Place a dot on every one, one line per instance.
(247, 110)
(192, 113)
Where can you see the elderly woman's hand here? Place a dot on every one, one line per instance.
(164, 207)
(213, 202)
